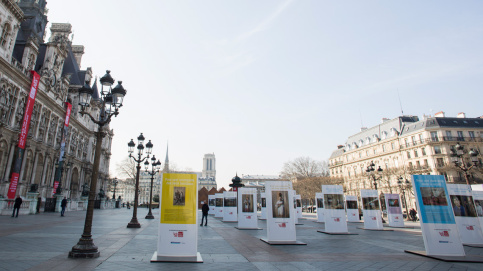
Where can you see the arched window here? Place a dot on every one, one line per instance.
(5, 34)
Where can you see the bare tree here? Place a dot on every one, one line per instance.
(126, 168)
(307, 187)
(304, 167)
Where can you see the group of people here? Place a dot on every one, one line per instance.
(413, 215)
(19, 201)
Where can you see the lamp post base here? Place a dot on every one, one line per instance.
(149, 216)
(134, 224)
(85, 248)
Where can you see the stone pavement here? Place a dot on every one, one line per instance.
(42, 242)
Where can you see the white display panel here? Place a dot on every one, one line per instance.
(280, 211)
(352, 208)
(178, 231)
(219, 205)
(371, 210)
(394, 210)
(465, 213)
(438, 225)
(319, 200)
(211, 204)
(247, 208)
(478, 199)
(263, 213)
(229, 207)
(298, 200)
(335, 218)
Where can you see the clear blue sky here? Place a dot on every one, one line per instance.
(263, 82)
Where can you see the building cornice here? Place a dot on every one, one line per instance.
(14, 8)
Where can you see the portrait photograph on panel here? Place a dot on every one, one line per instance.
(264, 202)
(351, 204)
(463, 205)
(179, 196)
(433, 196)
(211, 202)
(299, 202)
(334, 201)
(219, 202)
(280, 204)
(393, 202)
(247, 201)
(320, 203)
(479, 207)
(370, 203)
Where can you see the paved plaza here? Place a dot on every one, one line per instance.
(42, 242)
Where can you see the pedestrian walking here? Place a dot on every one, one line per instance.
(412, 214)
(204, 209)
(16, 206)
(63, 204)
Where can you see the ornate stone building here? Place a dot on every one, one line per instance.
(23, 48)
(404, 146)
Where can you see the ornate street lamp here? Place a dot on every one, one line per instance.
(457, 156)
(140, 147)
(115, 181)
(370, 171)
(155, 166)
(85, 248)
(403, 185)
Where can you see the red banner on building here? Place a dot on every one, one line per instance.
(12, 189)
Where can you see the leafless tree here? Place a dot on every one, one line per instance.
(304, 167)
(126, 168)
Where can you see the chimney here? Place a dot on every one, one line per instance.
(384, 120)
(363, 129)
(78, 51)
(461, 115)
(340, 147)
(440, 114)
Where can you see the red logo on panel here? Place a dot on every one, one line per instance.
(470, 228)
(373, 218)
(444, 233)
(336, 219)
(178, 234)
(282, 225)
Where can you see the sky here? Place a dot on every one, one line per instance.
(260, 83)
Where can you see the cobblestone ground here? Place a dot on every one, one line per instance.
(42, 242)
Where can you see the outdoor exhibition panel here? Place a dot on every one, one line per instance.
(295, 215)
(437, 220)
(335, 219)
(371, 209)
(280, 211)
(178, 231)
(394, 210)
(352, 209)
(211, 204)
(478, 198)
(465, 214)
(247, 208)
(229, 207)
(219, 205)
(298, 200)
(319, 199)
(263, 214)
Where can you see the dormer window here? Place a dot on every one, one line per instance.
(5, 34)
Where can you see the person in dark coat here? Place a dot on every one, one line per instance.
(16, 206)
(204, 209)
(63, 204)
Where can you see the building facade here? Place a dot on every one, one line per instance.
(23, 48)
(405, 146)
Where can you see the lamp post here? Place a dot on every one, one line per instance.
(149, 147)
(370, 171)
(155, 166)
(403, 185)
(60, 165)
(457, 156)
(114, 182)
(110, 101)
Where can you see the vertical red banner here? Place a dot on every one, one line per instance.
(12, 189)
